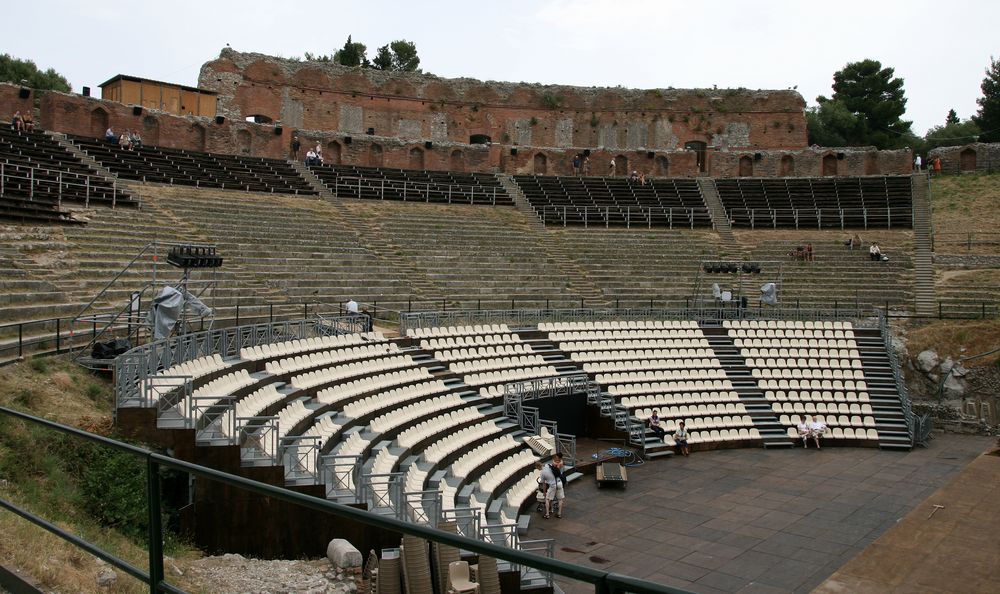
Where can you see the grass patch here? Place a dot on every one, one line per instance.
(954, 198)
(950, 337)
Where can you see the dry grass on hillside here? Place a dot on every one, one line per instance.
(956, 339)
(965, 204)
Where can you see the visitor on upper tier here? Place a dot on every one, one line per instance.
(654, 425)
(17, 122)
(125, 141)
(296, 145)
(642, 179)
(634, 177)
(854, 243)
(611, 168)
(809, 252)
(804, 432)
(917, 163)
(576, 165)
(586, 165)
(310, 158)
(936, 165)
(352, 307)
(136, 140)
(29, 122)
(817, 428)
(110, 136)
(369, 319)
(875, 253)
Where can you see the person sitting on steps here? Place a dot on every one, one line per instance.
(681, 439)
(654, 425)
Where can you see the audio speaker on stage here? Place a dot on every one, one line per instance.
(24, 93)
(513, 152)
(650, 154)
(348, 140)
(220, 120)
(136, 110)
(757, 156)
(840, 156)
(428, 145)
(370, 132)
(86, 91)
(277, 130)
(586, 152)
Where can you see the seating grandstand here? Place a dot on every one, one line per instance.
(673, 202)
(381, 183)
(37, 175)
(156, 164)
(867, 202)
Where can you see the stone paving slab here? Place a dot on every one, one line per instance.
(749, 520)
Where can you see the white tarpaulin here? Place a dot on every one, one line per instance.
(167, 310)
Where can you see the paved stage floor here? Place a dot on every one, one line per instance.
(749, 520)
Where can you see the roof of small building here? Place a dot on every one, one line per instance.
(119, 77)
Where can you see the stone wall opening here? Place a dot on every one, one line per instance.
(456, 161)
(967, 160)
(244, 142)
(746, 166)
(699, 148)
(871, 164)
(829, 165)
(259, 118)
(375, 155)
(786, 168)
(480, 139)
(540, 164)
(621, 165)
(150, 130)
(332, 156)
(98, 122)
(416, 158)
(661, 166)
(200, 136)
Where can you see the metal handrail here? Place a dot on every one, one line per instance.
(427, 189)
(634, 216)
(30, 177)
(770, 217)
(604, 582)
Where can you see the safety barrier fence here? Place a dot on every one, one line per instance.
(820, 218)
(629, 216)
(604, 582)
(48, 185)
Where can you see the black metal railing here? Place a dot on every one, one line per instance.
(604, 582)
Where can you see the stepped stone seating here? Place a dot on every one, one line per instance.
(967, 292)
(818, 202)
(382, 183)
(164, 165)
(601, 201)
(37, 175)
(837, 275)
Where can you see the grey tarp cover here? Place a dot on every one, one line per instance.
(167, 309)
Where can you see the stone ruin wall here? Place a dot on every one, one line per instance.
(977, 156)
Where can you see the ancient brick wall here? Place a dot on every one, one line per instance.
(977, 156)
(810, 162)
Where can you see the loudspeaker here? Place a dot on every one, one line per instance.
(348, 140)
(277, 130)
(586, 152)
(840, 156)
(428, 145)
(220, 120)
(370, 132)
(86, 91)
(513, 152)
(24, 93)
(650, 154)
(136, 110)
(757, 156)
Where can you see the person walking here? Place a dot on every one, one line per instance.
(553, 477)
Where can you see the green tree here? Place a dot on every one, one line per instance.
(383, 58)
(875, 96)
(988, 116)
(400, 55)
(952, 134)
(831, 124)
(25, 72)
(951, 118)
(352, 54)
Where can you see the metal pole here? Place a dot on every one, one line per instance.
(58, 332)
(20, 340)
(305, 310)
(237, 314)
(270, 312)
(155, 525)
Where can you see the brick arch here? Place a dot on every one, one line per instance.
(333, 153)
(375, 155)
(540, 164)
(829, 164)
(621, 165)
(746, 166)
(871, 164)
(244, 142)
(662, 166)
(786, 168)
(456, 161)
(415, 158)
(98, 122)
(150, 130)
(200, 137)
(967, 159)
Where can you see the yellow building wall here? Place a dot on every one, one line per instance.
(166, 98)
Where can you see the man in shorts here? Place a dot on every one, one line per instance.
(552, 475)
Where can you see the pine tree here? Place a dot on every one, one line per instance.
(951, 118)
(988, 116)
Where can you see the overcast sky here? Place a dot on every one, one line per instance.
(941, 49)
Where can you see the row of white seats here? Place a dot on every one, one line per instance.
(625, 335)
(841, 433)
(465, 354)
(693, 410)
(411, 436)
(789, 333)
(324, 428)
(619, 345)
(492, 478)
(666, 387)
(814, 384)
(636, 355)
(288, 417)
(339, 372)
(385, 462)
(405, 414)
(797, 353)
(703, 423)
(543, 444)
(291, 347)
(651, 364)
(815, 396)
(457, 330)
(346, 390)
(216, 390)
(414, 479)
(791, 363)
(354, 445)
(800, 324)
(809, 374)
(479, 365)
(525, 487)
(459, 342)
(680, 398)
(389, 399)
(481, 453)
(509, 375)
(717, 435)
(318, 358)
(811, 408)
(449, 444)
(794, 343)
(251, 406)
(157, 385)
(831, 420)
(616, 325)
(662, 375)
